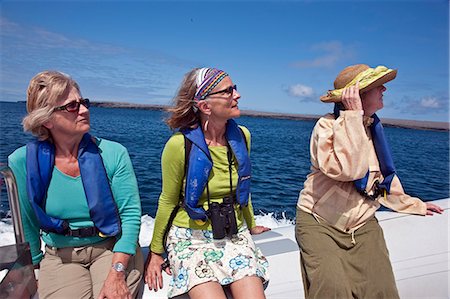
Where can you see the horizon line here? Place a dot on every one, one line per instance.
(388, 122)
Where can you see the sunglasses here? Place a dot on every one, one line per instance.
(229, 90)
(74, 106)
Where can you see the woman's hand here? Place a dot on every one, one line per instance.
(433, 208)
(259, 229)
(351, 98)
(115, 286)
(153, 271)
(36, 268)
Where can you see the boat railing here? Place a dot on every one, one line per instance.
(17, 278)
(13, 198)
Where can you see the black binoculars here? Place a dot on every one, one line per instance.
(223, 218)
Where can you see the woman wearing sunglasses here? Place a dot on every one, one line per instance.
(205, 197)
(79, 194)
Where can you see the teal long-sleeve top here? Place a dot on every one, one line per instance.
(66, 200)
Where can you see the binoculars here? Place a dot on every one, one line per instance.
(223, 218)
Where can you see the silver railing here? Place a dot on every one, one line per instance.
(17, 279)
(14, 205)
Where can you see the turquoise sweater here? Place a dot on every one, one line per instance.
(66, 200)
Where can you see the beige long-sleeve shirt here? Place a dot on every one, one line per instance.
(342, 151)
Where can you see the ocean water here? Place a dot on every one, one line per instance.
(279, 154)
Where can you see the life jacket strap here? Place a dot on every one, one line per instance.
(83, 232)
(377, 191)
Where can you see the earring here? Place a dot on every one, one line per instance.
(205, 127)
(194, 107)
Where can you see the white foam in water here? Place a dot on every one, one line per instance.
(270, 221)
(6, 232)
(145, 236)
(147, 224)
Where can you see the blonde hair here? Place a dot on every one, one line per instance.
(182, 112)
(44, 91)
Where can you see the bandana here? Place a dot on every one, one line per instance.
(207, 79)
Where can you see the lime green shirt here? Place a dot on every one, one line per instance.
(173, 180)
(66, 200)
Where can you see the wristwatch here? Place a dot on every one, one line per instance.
(119, 267)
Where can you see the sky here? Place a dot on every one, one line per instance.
(282, 55)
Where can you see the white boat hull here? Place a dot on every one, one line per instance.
(418, 247)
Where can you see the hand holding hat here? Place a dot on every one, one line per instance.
(351, 98)
(367, 77)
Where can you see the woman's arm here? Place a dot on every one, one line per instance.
(17, 163)
(339, 147)
(172, 164)
(126, 194)
(247, 211)
(172, 169)
(115, 285)
(401, 202)
(250, 220)
(249, 215)
(125, 190)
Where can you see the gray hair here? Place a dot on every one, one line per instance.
(184, 112)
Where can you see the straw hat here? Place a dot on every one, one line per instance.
(368, 78)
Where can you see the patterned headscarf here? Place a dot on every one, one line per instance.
(207, 79)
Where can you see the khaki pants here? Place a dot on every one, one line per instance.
(79, 272)
(335, 265)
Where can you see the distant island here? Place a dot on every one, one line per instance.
(387, 122)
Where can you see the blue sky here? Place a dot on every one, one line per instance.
(282, 54)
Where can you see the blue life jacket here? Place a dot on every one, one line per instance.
(200, 165)
(102, 206)
(383, 154)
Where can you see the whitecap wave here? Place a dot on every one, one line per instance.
(6, 232)
(147, 225)
(270, 220)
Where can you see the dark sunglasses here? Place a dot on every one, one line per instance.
(228, 90)
(74, 106)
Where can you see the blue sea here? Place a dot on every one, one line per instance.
(279, 154)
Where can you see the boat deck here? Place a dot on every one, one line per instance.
(418, 247)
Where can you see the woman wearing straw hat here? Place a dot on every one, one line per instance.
(342, 249)
(205, 196)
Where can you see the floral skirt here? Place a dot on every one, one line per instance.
(195, 258)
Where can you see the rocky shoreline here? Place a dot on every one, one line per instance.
(387, 122)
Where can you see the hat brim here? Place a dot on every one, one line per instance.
(327, 98)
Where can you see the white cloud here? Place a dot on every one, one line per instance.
(333, 46)
(425, 105)
(103, 70)
(334, 51)
(301, 91)
(430, 102)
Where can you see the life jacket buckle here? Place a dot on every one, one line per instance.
(376, 192)
(83, 232)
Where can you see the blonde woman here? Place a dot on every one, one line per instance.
(79, 194)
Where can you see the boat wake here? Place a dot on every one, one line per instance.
(147, 225)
